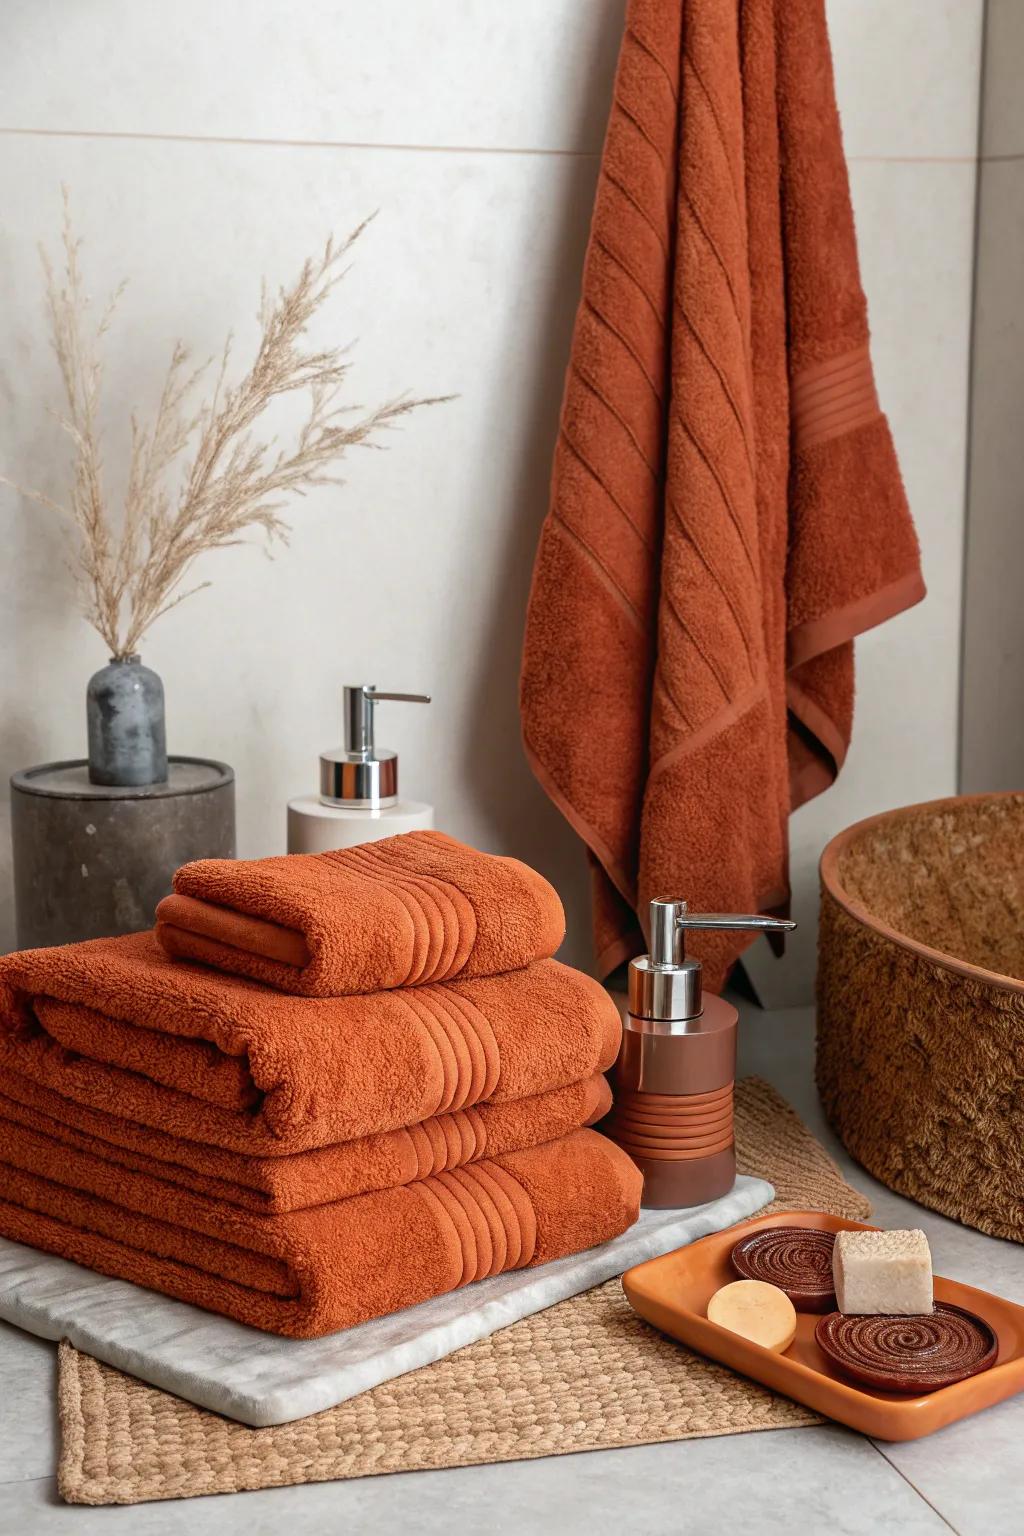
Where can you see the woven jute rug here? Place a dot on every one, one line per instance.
(584, 1375)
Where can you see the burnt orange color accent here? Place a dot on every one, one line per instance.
(290, 1182)
(672, 1128)
(726, 510)
(402, 912)
(673, 1293)
(116, 1025)
(682, 1143)
(829, 399)
(331, 1266)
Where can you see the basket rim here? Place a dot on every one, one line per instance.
(828, 869)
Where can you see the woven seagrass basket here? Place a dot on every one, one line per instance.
(920, 1058)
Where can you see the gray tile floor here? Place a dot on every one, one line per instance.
(969, 1478)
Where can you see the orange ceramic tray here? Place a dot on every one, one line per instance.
(673, 1293)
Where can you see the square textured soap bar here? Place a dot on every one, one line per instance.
(882, 1272)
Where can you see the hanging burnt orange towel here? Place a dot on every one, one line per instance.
(331, 1266)
(727, 511)
(116, 1025)
(401, 912)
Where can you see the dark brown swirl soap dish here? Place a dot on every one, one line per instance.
(974, 1340)
(796, 1259)
(909, 1354)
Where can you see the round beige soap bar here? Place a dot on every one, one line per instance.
(756, 1311)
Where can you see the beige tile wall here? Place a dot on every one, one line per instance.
(207, 145)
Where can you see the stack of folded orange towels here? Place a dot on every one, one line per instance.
(324, 1088)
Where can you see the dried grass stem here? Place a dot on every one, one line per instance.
(235, 481)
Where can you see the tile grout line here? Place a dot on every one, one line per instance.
(417, 149)
(911, 159)
(20, 1482)
(264, 143)
(911, 1484)
(968, 475)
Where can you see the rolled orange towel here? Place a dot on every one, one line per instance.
(401, 912)
(330, 1266)
(295, 1180)
(116, 1025)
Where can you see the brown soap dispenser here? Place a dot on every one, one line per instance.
(674, 1077)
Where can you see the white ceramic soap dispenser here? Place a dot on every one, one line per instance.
(358, 800)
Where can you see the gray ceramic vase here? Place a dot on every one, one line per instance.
(127, 736)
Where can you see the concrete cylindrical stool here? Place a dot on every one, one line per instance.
(92, 860)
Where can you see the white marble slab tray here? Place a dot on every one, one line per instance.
(261, 1379)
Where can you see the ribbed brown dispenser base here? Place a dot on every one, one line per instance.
(682, 1144)
(668, 1186)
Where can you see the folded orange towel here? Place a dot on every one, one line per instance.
(116, 1025)
(726, 509)
(299, 1179)
(331, 1266)
(408, 910)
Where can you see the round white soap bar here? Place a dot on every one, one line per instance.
(756, 1311)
